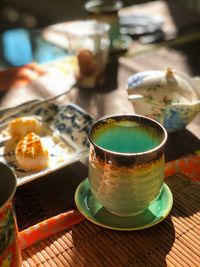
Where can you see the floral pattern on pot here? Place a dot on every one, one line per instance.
(171, 98)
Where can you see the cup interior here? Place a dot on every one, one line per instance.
(7, 184)
(130, 134)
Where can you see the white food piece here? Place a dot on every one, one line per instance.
(21, 126)
(31, 154)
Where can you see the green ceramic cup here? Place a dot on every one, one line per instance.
(126, 162)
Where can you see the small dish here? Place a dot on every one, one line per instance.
(66, 128)
(90, 208)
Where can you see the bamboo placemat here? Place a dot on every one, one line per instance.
(173, 242)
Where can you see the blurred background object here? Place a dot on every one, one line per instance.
(90, 47)
(22, 22)
(191, 4)
(106, 11)
(35, 13)
(32, 14)
(146, 28)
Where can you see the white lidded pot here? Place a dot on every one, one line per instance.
(170, 97)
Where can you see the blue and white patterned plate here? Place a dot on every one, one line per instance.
(65, 136)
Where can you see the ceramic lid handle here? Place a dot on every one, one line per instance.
(170, 74)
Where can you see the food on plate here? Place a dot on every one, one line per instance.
(21, 126)
(31, 154)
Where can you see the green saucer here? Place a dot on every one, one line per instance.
(90, 208)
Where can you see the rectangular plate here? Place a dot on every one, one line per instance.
(66, 128)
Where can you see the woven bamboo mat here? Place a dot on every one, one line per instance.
(173, 242)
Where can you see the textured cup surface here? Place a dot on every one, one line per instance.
(126, 162)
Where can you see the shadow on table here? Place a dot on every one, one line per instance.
(101, 247)
(186, 197)
(175, 148)
(88, 98)
(190, 24)
(48, 196)
(97, 246)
